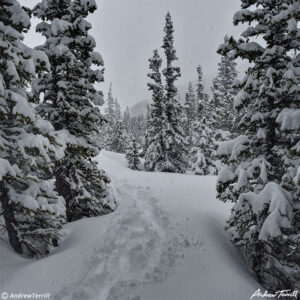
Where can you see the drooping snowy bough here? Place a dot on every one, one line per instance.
(262, 172)
(69, 103)
(32, 211)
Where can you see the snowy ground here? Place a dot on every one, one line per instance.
(165, 242)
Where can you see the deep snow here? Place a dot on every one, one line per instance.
(166, 241)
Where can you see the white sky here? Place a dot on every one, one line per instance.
(127, 31)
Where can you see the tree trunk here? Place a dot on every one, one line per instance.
(64, 190)
(9, 218)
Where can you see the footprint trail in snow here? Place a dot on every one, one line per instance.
(142, 246)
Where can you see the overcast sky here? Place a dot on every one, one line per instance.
(127, 31)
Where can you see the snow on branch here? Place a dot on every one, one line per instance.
(289, 119)
(280, 212)
(233, 148)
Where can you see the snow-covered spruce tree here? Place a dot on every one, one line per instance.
(262, 172)
(32, 211)
(202, 97)
(110, 110)
(190, 112)
(156, 122)
(110, 115)
(118, 110)
(203, 149)
(224, 93)
(145, 143)
(69, 103)
(174, 151)
(132, 155)
(126, 119)
(201, 157)
(117, 140)
(205, 106)
(138, 128)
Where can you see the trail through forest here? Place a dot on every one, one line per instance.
(165, 241)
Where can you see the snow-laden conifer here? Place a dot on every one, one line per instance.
(117, 139)
(167, 143)
(203, 149)
(132, 155)
(110, 110)
(69, 103)
(118, 112)
(202, 97)
(145, 142)
(190, 112)
(126, 119)
(156, 122)
(262, 172)
(32, 211)
(175, 151)
(223, 95)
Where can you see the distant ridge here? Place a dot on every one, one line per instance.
(139, 109)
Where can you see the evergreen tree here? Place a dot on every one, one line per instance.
(178, 97)
(126, 120)
(117, 110)
(167, 144)
(117, 138)
(224, 93)
(69, 103)
(111, 117)
(145, 144)
(262, 172)
(33, 212)
(110, 110)
(174, 150)
(156, 123)
(205, 106)
(203, 138)
(132, 155)
(203, 150)
(190, 112)
(138, 128)
(202, 97)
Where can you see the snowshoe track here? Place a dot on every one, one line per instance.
(141, 247)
